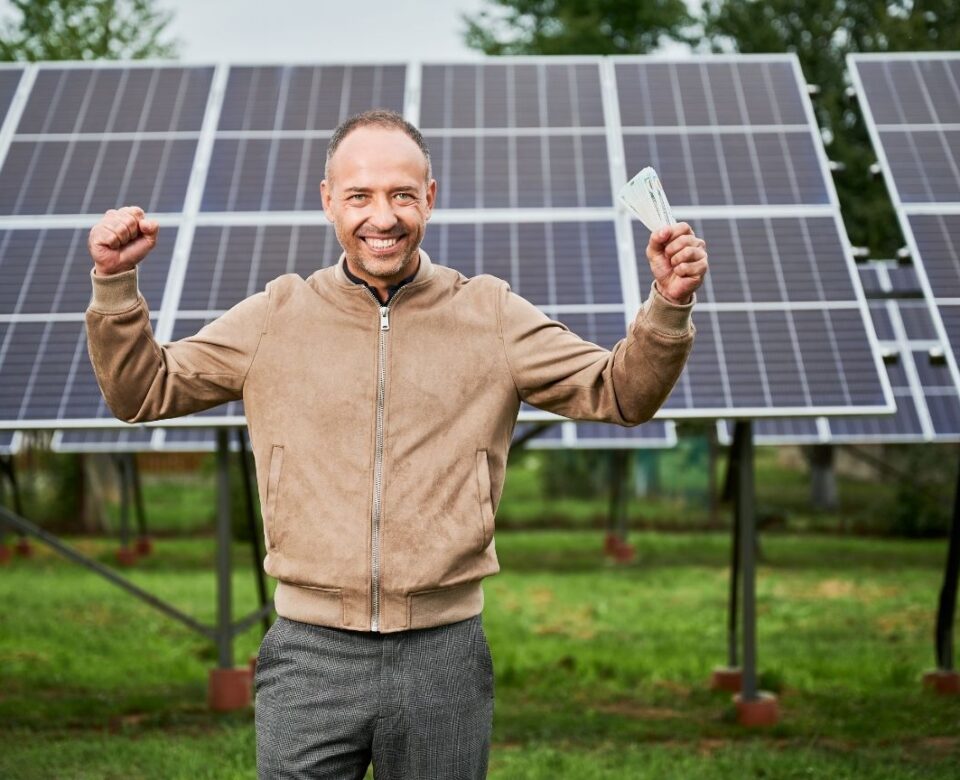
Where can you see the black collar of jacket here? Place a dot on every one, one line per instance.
(391, 290)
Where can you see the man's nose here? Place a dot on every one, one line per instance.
(383, 217)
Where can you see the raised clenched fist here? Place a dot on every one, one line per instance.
(678, 261)
(121, 239)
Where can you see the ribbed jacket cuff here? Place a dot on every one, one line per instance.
(114, 293)
(672, 319)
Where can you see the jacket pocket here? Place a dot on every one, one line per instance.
(484, 498)
(273, 489)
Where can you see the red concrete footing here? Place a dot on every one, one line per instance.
(624, 553)
(144, 545)
(24, 548)
(5, 553)
(126, 556)
(229, 689)
(942, 681)
(761, 711)
(726, 678)
(610, 544)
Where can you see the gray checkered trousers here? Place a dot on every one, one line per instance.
(418, 703)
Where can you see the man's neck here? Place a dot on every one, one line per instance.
(384, 289)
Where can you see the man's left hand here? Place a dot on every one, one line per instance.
(678, 261)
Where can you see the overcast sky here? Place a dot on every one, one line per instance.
(318, 30)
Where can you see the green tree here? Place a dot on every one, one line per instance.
(576, 26)
(822, 33)
(84, 30)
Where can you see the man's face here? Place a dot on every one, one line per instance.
(379, 200)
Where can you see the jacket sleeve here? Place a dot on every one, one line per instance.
(556, 370)
(144, 380)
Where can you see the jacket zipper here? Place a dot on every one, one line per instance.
(378, 461)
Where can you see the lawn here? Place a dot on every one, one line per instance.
(601, 670)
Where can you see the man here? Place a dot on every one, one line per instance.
(381, 395)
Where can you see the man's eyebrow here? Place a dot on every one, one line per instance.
(356, 189)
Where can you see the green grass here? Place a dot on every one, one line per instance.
(600, 669)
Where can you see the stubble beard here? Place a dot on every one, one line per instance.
(380, 271)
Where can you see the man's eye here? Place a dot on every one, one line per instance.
(357, 196)
(404, 196)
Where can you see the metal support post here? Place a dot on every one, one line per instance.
(746, 520)
(947, 604)
(224, 630)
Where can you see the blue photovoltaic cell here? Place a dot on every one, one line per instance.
(950, 315)
(656, 94)
(511, 95)
(229, 263)
(903, 279)
(605, 435)
(776, 431)
(543, 261)
(768, 359)
(938, 240)
(48, 271)
(765, 260)
(307, 98)
(870, 279)
(725, 169)
(265, 174)
(924, 164)
(121, 99)
(132, 439)
(91, 176)
(549, 171)
(9, 81)
(46, 373)
(916, 91)
(882, 324)
(917, 321)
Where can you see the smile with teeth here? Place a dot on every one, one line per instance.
(380, 243)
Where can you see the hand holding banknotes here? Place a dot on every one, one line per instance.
(678, 259)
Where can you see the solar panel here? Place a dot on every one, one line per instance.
(928, 402)
(528, 152)
(783, 326)
(9, 82)
(911, 105)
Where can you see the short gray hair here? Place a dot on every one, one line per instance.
(377, 117)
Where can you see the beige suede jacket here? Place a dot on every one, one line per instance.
(380, 433)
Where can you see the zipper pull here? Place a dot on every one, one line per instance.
(384, 318)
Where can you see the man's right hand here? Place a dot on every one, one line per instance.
(121, 239)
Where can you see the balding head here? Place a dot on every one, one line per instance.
(388, 120)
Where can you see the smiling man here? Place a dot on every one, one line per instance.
(381, 395)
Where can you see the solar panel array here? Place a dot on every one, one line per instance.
(928, 400)
(528, 152)
(911, 104)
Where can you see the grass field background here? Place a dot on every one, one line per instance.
(600, 670)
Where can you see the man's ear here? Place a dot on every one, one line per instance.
(431, 196)
(326, 197)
